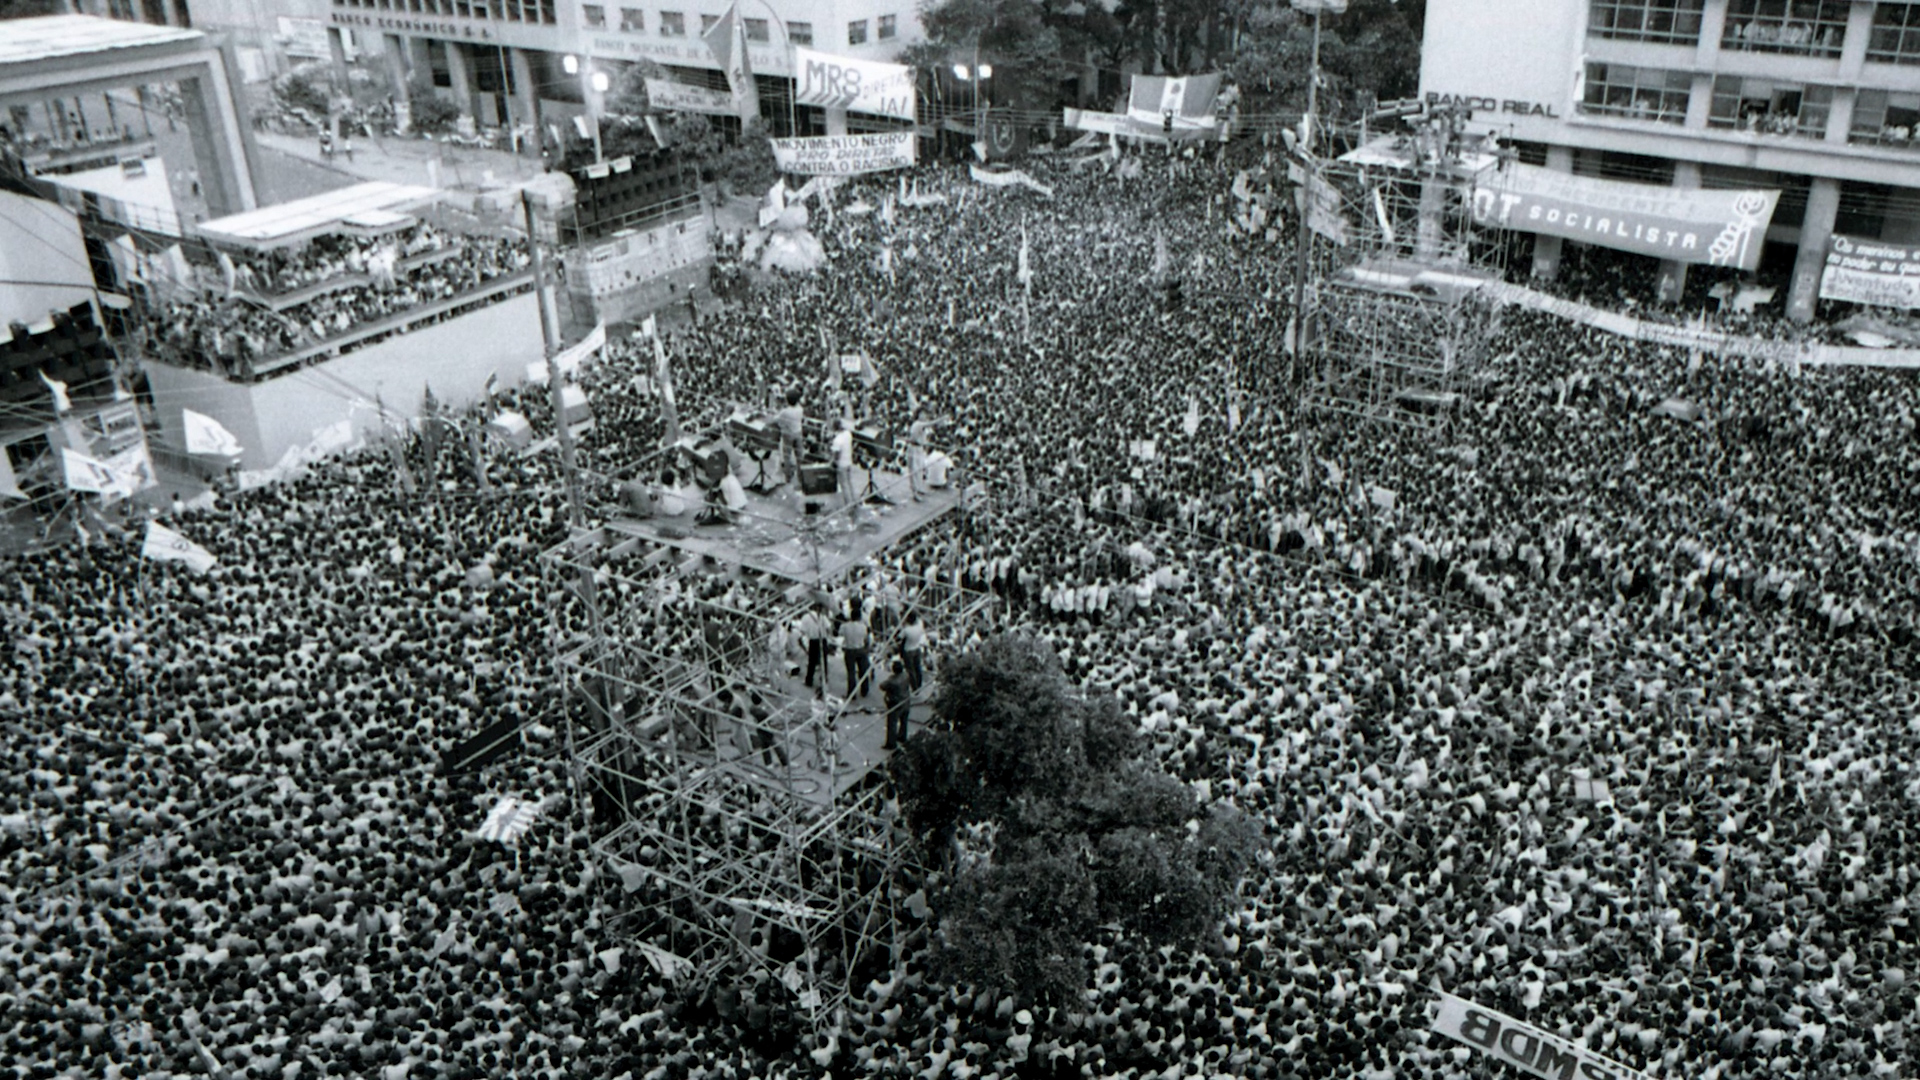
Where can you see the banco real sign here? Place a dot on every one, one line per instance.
(1522, 1045)
(1509, 106)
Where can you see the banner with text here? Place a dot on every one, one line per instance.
(844, 155)
(679, 97)
(1719, 228)
(862, 86)
(1519, 1043)
(1865, 271)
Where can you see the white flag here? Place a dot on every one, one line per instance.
(1191, 422)
(165, 545)
(60, 402)
(649, 328)
(1025, 273)
(228, 274)
(205, 435)
(89, 474)
(9, 484)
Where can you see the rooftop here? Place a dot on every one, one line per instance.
(371, 205)
(53, 36)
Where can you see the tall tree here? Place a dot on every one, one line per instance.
(1047, 821)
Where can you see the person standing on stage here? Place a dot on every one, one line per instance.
(913, 650)
(898, 695)
(815, 630)
(855, 645)
(843, 462)
(917, 434)
(792, 422)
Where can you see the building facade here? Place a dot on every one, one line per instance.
(1817, 98)
(503, 61)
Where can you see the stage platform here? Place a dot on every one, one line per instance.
(776, 534)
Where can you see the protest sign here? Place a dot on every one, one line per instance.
(844, 155)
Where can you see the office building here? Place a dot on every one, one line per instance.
(1819, 99)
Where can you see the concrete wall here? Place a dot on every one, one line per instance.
(454, 358)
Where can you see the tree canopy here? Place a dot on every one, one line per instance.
(1044, 820)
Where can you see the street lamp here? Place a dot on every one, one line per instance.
(978, 74)
(593, 83)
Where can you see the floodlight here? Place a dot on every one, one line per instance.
(571, 63)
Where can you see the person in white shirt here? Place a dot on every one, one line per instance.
(843, 461)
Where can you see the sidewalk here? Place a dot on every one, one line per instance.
(404, 160)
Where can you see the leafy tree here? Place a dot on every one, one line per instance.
(26, 9)
(1085, 830)
(1012, 35)
(432, 113)
(1364, 52)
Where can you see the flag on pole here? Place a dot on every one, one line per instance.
(728, 41)
(649, 327)
(663, 375)
(164, 545)
(1025, 273)
(1190, 423)
(509, 820)
(1159, 256)
(228, 274)
(92, 475)
(205, 435)
(60, 402)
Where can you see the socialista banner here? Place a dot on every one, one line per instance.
(1719, 228)
(1522, 1045)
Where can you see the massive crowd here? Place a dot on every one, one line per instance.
(1591, 715)
(354, 281)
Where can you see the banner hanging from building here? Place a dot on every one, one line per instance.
(862, 86)
(679, 97)
(1719, 228)
(1520, 1044)
(844, 155)
(1863, 271)
(1188, 98)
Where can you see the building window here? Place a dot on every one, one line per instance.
(633, 20)
(1637, 93)
(673, 24)
(756, 29)
(889, 27)
(1766, 107)
(1896, 34)
(594, 15)
(1807, 27)
(1646, 20)
(857, 32)
(708, 22)
(1884, 118)
(800, 33)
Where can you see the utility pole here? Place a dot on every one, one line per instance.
(569, 467)
(1305, 242)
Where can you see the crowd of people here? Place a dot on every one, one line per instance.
(1591, 715)
(238, 327)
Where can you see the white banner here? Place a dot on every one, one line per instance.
(88, 474)
(1105, 123)
(1519, 1043)
(570, 358)
(862, 86)
(164, 545)
(844, 155)
(1008, 178)
(679, 97)
(1864, 271)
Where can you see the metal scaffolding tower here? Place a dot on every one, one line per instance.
(749, 822)
(1398, 305)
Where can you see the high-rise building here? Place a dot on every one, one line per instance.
(1819, 99)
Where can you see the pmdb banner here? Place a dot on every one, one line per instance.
(1869, 272)
(1720, 228)
(844, 155)
(1519, 1043)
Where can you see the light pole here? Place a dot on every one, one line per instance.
(977, 73)
(593, 83)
